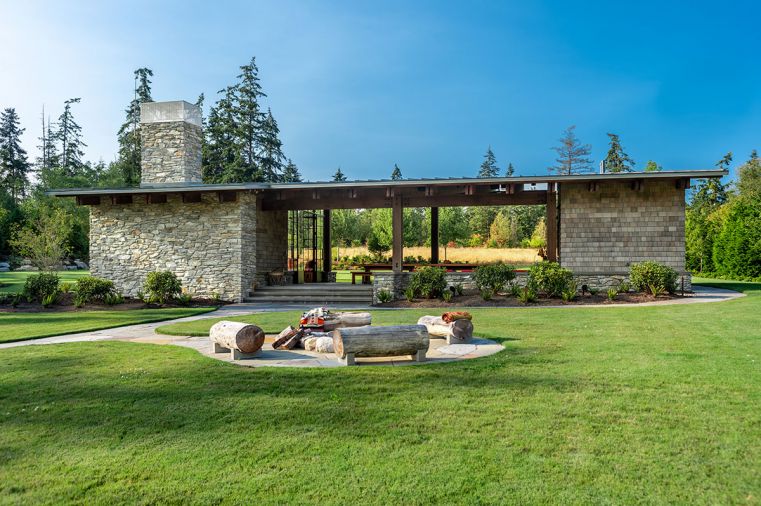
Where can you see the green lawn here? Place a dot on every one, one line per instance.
(14, 281)
(586, 405)
(21, 326)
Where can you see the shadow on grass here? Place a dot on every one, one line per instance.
(109, 388)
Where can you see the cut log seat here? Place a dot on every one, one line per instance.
(341, 320)
(459, 331)
(242, 340)
(392, 341)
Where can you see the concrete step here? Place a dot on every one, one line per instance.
(309, 301)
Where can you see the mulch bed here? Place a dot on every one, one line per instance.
(475, 300)
(66, 305)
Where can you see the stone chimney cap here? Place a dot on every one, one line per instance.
(176, 110)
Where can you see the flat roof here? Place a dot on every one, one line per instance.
(370, 183)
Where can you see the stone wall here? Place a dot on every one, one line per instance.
(171, 153)
(211, 246)
(603, 232)
(271, 243)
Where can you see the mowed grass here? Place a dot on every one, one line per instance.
(13, 282)
(22, 326)
(585, 405)
(514, 256)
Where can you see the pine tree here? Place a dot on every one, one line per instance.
(249, 120)
(129, 133)
(510, 170)
(652, 167)
(749, 183)
(271, 150)
(222, 162)
(339, 176)
(396, 174)
(617, 160)
(489, 166)
(48, 155)
(14, 167)
(573, 157)
(69, 135)
(291, 173)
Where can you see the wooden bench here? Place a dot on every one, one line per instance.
(364, 275)
(392, 341)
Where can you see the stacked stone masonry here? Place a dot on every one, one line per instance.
(211, 246)
(171, 153)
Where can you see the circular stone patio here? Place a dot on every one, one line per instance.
(438, 351)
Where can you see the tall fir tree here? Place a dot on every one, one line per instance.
(510, 170)
(749, 183)
(69, 136)
(652, 166)
(249, 120)
(291, 173)
(14, 167)
(573, 156)
(271, 155)
(339, 176)
(396, 174)
(129, 133)
(222, 161)
(48, 157)
(489, 165)
(617, 160)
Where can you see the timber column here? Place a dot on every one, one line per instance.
(397, 232)
(552, 222)
(434, 235)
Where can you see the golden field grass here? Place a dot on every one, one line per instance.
(514, 256)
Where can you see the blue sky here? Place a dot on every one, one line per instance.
(427, 85)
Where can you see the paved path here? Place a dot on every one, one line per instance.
(145, 332)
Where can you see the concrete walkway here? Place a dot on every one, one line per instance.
(146, 332)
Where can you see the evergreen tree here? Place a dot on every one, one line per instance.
(291, 173)
(617, 160)
(14, 167)
(48, 154)
(489, 166)
(510, 170)
(129, 133)
(396, 174)
(249, 120)
(749, 184)
(652, 167)
(573, 157)
(222, 162)
(69, 135)
(271, 150)
(339, 176)
(711, 193)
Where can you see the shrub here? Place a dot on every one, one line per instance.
(624, 287)
(50, 299)
(91, 288)
(16, 299)
(494, 277)
(593, 291)
(569, 292)
(39, 286)
(514, 289)
(409, 294)
(429, 282)
(549, 278)
(487, 293)
(643, 275)
(527, 294)
(113, 299)
(66, 287)
(384, 296)
(612, 292)
(162, 286)
(184, 299)
(458, 289)
(141, 296)
(447, 295)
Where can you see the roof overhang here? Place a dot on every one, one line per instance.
(387, 183)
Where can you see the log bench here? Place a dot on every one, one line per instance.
(392, 341)
(457, 332)
(242, 340)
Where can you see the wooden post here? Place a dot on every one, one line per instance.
(552, 223)
(397, 232)
(434, 235)
(327, 251)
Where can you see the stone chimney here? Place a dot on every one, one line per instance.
(171, 134)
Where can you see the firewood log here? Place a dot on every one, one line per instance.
(461, 330)
(341, 320)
